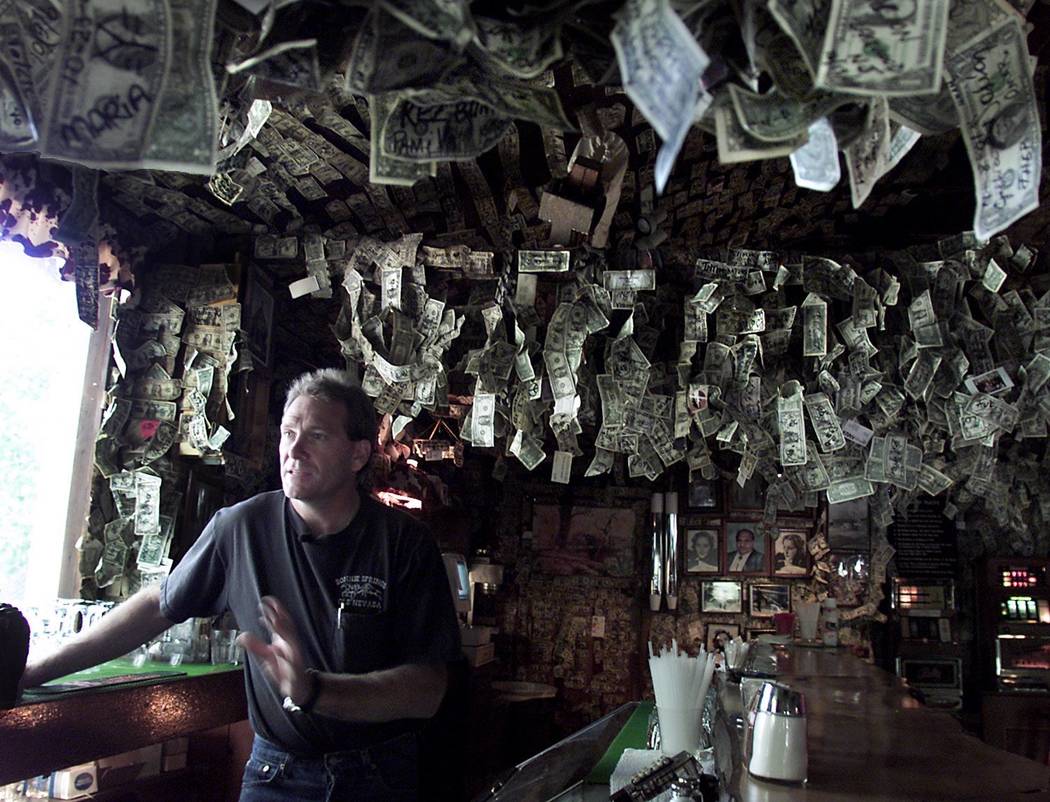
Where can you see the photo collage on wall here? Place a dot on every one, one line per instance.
(746, 571)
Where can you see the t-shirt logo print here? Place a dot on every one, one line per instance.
(362, 593)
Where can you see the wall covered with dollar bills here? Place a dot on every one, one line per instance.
(615, 244)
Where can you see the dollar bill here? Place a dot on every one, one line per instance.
(19, 103)
(825, 423)
(772, 117)
(720, 271)
(867, 157)
(107, 82)
(602, 463)
(994, 276)
(1037, 371)
(991, 85)
(849, 490)
(805, 21)
(736, 145)
(661, 65)
(523, 50)
(419, 129)
(531, 261)
(184, 134)
(932, 481)
(816, 164)
(147, 503)
(814, 326)
(629, 279)
(872, 48)
(384, 169)
(791, 425)
(921, 374)
(561, 467)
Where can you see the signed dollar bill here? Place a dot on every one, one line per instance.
(991, 85)
(107, 82)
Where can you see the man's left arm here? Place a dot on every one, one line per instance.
(409, 691)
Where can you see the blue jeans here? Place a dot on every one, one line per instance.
(386, 772)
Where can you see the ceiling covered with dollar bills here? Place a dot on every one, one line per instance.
(703, 223)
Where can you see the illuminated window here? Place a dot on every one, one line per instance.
(43, 352)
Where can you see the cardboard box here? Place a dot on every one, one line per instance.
(74, 782)
(126, 767)
(176, 746)
(480, 655)
(175, 762)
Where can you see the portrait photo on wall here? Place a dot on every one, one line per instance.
(719, 634)
(849, 525)
(767, 600)
(749, 498)
(721, 596)
(703, 495)
(790, 555)
(703, 550)
(746, 549)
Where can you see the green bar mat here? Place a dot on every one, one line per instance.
(632, 736)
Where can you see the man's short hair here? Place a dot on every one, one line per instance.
(339, 387)
(749, 531)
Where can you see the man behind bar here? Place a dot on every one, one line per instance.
(345, 604)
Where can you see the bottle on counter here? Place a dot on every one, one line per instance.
(830, 621)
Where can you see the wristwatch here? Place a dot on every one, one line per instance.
(311, 697)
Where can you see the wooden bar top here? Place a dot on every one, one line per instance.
(870, 740)
(41, 736)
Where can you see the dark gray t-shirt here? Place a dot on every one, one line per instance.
(384, 573)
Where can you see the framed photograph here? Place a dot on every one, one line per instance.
(746, 549)
(719, 634)
(721, 596)
(703, 495)
(703, 550)
(593, 540)
(848, 581)
(790, 555)
(849, 525)
(749, 498)
(257, 318)
(766, 600)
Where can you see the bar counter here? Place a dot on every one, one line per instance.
(870, 740)
(45, 733)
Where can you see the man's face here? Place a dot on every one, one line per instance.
(745, 541)
(319, 462)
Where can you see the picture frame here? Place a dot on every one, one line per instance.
(753, 633)
(791, 553)
(756, 561)
(749, 498)
(257, 318)
(769, 599)
(718, 633)
(849, 525)
(702, 495)
(584, 539)
(848, 578)
(703, 550)
(721, 596)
